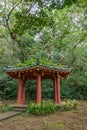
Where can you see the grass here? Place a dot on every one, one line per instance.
(43, 108)
(4, 107)
(60, 120)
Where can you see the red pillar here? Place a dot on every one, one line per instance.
(21, 91)
(58, 89)
(38, 100)
(55, 90)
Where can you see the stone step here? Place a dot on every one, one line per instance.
(19, 109)
(20, 106)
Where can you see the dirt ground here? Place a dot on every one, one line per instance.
(71, 120)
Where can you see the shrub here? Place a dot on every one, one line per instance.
(45, 107)
(67, 105)
(5, 107)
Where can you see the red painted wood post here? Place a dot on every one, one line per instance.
(38, 100)
(23, 92)
(20, 84)
(58, 89)
(55, 90)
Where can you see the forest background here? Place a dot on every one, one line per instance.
(52, 30)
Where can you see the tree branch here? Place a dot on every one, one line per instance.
(8, 17)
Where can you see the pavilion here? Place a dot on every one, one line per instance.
(38, 73)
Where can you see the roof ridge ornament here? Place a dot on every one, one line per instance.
(38, 61)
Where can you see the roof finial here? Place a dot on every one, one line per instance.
(38, 61)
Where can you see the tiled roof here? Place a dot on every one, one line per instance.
(13, 69)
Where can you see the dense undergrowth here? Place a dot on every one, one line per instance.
(4, 107)
(49, 107)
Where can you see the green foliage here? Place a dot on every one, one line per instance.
(3, 80)
(48, 107)
(1, 95)
(8, 87)
(27, 63)
(11, 90)
(67, 105)
(73, 92)
(5, 107)
(31, 90)
(81, 92)
(68, 92)
(45, 107)
(36, 61)
(47, 90)
(26, 20)
(57, 32)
